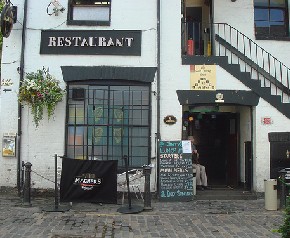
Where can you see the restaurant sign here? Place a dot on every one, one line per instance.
(82, 42)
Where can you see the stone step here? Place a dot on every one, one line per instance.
(225, 194)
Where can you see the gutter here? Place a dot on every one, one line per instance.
(19, 133)
(158, 91)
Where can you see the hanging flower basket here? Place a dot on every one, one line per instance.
(40, 90)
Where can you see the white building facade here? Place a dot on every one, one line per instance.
(217, 69)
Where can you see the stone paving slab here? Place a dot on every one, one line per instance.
(197, 218)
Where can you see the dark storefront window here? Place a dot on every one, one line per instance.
(271, 18)
(107, 122)
(89, 12)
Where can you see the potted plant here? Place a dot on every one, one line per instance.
(40, 90)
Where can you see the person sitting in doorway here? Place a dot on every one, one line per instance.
(201, 177)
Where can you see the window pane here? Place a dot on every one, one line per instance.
(80, 153)
(119, 95)
(70, 152)
(139, 132)
(97, 135)
(140, 94)
(76, 114)
(261, 14)
(261, 3)
(97, 114)
(277, 3)
(98, 95)
(277, 30)
(118, 98)
(139, 116)
(97, 152)
(277, 15)
(139, 151)
(262, 24)
(76, 136)
(140, 141)
(91, 13)
(263, 31)
(91, 2)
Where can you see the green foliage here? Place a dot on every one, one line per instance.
(2, 3)
(284, 229)
(40, 90)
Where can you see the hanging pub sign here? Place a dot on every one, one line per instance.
(87, 42)
(170, 120)
(7, 19)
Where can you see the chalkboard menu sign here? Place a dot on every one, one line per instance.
(175, 172)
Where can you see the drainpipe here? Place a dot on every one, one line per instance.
(21, 67)
(252, 149)
(158, 88)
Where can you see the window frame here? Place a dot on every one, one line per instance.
(71, 21)
(285, 25)
(132, 130)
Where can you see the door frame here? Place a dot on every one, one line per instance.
(231, 156)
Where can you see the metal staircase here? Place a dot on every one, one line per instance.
(251, 64)
(254, 66)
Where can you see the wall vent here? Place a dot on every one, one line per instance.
(78, 94)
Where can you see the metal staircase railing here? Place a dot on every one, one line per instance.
(252, 58)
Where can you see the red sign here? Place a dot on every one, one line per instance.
(266, 120)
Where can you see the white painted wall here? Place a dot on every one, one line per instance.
(39, 145)
(9, 106)
(262, 144)
(240, 15)
(174, 76)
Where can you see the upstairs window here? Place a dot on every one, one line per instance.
(271, 18)
(89, 12)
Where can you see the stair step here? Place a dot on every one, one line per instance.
(225, 194)
(244, 77)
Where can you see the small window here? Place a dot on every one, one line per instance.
(271, 18)
(89, 12)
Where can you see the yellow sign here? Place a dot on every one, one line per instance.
(8, 146)
(203, 77)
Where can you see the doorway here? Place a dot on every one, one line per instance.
(195, 27)
(216, 136)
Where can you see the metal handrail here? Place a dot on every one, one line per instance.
(252, 58)
(242, 50)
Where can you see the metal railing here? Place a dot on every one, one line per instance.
(226, 40)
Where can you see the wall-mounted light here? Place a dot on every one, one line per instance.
(57, 7)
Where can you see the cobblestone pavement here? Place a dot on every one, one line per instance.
(202, 219)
